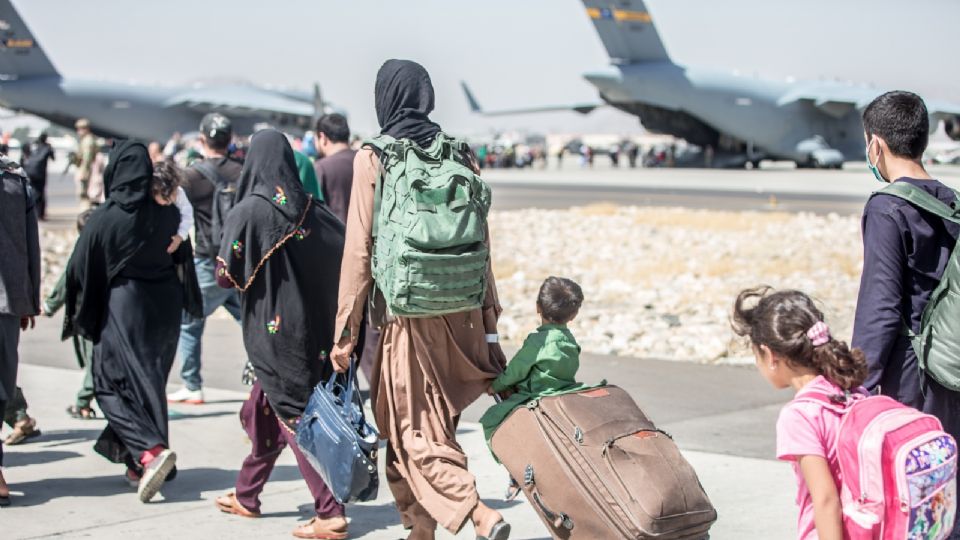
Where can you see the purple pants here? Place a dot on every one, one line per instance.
(268, 439)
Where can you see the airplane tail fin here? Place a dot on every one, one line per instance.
(20, 54)
(471, 99)
(626, 30)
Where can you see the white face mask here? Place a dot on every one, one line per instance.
(874, 166)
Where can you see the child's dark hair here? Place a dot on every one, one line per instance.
(780, 320)
(559, 299)
(166, 179)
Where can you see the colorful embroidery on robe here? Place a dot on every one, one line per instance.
(273, 326)
(280, 197)
(237, 247)
(301, 233)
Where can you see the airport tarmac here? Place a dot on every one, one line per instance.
(774, 187)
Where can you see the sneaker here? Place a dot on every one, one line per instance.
(155, 473)
(185, 395)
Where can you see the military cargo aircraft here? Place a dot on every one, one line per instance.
(742, 119)
(30, 83)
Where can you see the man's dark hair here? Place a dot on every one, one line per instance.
(220, 143)
(166, 179)
(334, 126)
(559, 299)
(899, 118)
(42, 138)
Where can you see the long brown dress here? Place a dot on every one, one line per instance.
(426, 372)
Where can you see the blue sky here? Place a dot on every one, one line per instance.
(512, 52)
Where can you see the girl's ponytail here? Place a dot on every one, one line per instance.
(841, 365)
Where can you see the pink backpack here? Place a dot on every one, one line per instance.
(898, 469)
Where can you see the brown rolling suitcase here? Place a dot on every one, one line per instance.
(594, 466)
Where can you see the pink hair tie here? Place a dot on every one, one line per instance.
(819, 334)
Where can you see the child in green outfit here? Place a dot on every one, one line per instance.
(83, 348)
(547, 363)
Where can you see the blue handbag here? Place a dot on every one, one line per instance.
(338, 441)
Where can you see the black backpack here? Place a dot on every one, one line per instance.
(224, 198)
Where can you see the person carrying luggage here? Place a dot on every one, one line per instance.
(281, 250)
(865, 466)
(426, 250)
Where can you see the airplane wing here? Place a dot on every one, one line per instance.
(241, 100)
(835, 101)
(582, 108)
(942, 110)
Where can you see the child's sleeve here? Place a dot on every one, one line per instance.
(519, 367)
(799, 432)
(186, 214)
(57, 297)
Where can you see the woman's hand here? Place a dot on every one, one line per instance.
(340, 355)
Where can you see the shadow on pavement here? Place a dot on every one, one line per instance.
(42, 491)
(364, 518)
(62, 437)
(33, 457)
(177, 415)
(192, 483)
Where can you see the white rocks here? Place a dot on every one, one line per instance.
(661, 282)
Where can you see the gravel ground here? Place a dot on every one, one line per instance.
(658, 282)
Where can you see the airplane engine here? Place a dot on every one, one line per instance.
(952, 127)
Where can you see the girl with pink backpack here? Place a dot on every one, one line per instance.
(866, 466)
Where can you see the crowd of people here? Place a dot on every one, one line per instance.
(294, 249)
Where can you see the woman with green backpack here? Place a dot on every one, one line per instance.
(417, 248)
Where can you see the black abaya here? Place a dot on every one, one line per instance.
(138, 344)
(125, 293)
(283, 251)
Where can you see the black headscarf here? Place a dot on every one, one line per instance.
(271, 196)
(284, 252)
(404, 99)
(113, 235)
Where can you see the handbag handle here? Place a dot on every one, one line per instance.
(350, 385)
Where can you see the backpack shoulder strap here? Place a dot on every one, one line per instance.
(835, 402)
(208, 170)
(923, 200)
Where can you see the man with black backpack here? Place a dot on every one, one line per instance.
(906, 320)
(210, 184)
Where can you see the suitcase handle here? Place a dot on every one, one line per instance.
(558, 519)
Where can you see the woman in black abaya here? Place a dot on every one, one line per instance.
(124, 294)
(282, 250)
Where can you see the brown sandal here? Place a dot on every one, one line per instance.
(319, 529)
(229, 504)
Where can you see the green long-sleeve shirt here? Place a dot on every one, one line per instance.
(546, 365)
(308, 177)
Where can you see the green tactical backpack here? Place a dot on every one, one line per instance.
(938, 343)
(429, 226)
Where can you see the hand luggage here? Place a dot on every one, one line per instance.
(595, 467)
(338, 441)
